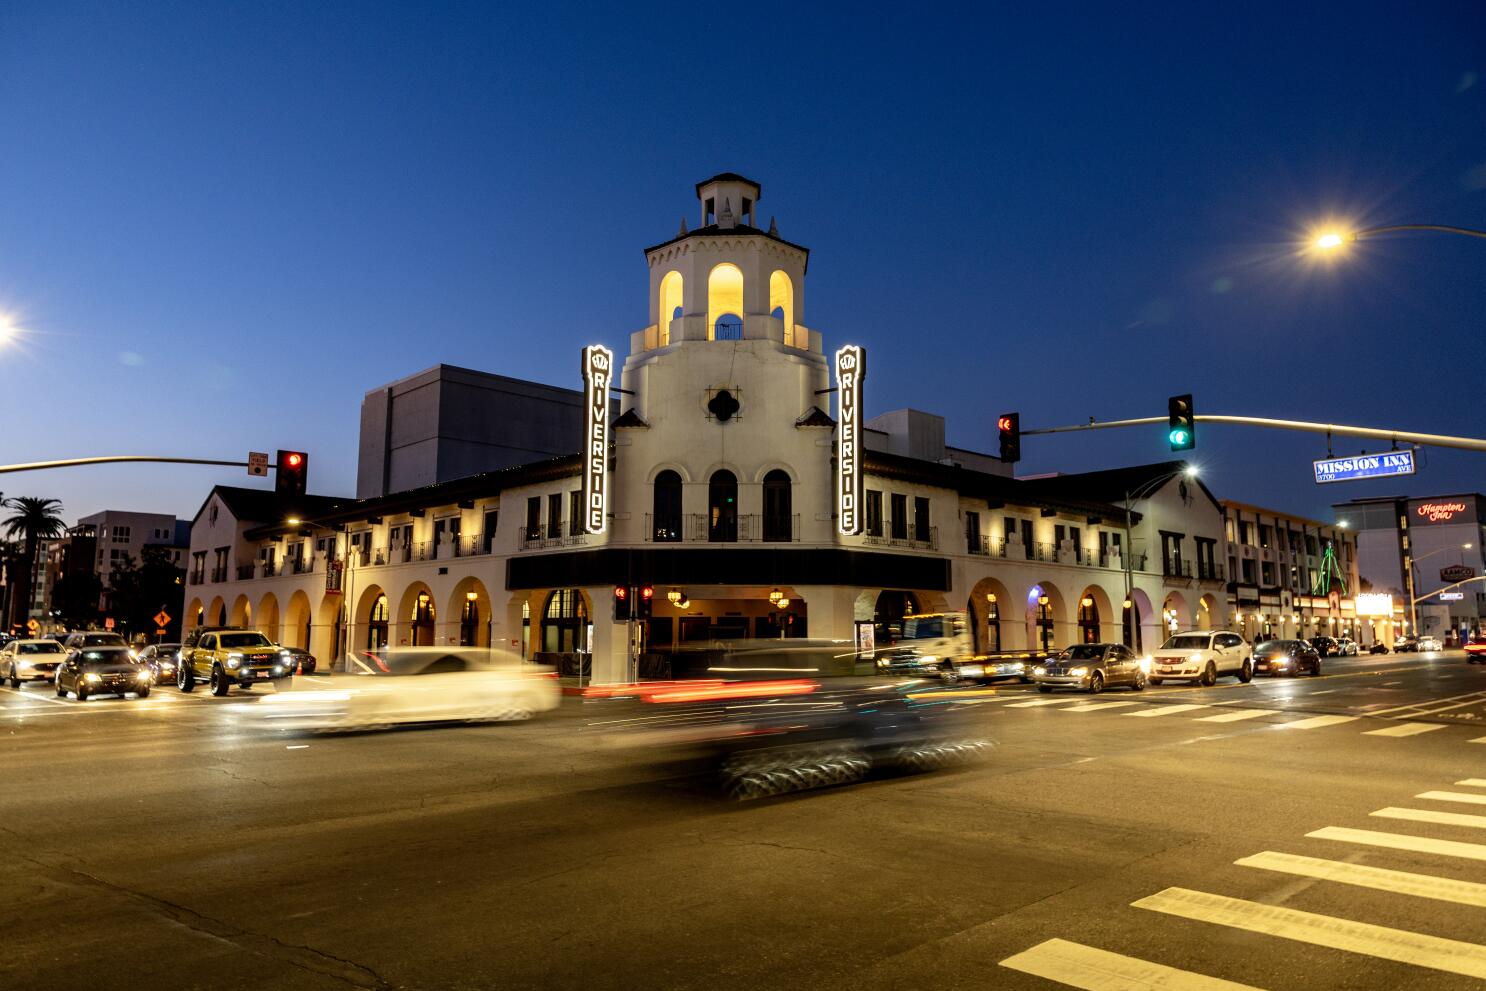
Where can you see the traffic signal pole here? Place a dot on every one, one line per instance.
(1305, 426)
(115, 459)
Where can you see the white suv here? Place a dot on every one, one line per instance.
(1202, 656)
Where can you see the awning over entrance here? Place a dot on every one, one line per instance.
(730, 566)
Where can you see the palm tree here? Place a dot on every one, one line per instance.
(34, 520)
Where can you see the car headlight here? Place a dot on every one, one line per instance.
(285, 655)
(1145, 665)
(1039, 670)
(233, 660)
(927, 660)
(133, 654)
(279, 669)
(1017, 666)
(144, 675)
(1079, 672)
(91, 678)
(1194, 658)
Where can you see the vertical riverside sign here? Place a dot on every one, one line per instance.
(851, 369)
(598, 373)
(1365, 466)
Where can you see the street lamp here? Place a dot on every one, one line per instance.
(1128, 551)
(1333, 241)
(1413, 584)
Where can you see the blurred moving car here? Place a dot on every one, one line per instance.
(422, 684)
(1091, 667)
(1475, 648)
(30, 660)
(768, 719)
(1287, 657)
(105, 670)
(1202, 656)
(1429, 643)
(1378, 647)
(224, 658)
(1347, 647)
(1324, 646)
(160, 658)
(1406, 644)
(940, 645)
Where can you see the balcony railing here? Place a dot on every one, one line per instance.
(983, 546)
(300, 565)
(1176, 568)
(1210, 572)
(244, 572)
(197, 577)
(536, 539)
(917, 541)
(219, 574)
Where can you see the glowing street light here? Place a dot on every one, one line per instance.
(1333, 241)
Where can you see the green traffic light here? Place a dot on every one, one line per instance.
(1178, 438)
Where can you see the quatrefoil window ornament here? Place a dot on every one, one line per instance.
(723, 406)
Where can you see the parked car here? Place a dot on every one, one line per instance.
(1325, 646)
(1287, 657)
(1404, 645)
(80, 640)
(1428, 643)
(30, 660)
(104, 670)
(1347, 647)
(1201, 656)
(301, 661)
(224, 658)
(1378, 648)
(160, 658)
(1091, 667)
(422, 684)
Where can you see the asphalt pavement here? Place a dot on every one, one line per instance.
(1303, 832)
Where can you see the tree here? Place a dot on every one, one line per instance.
(34, 520)
(75, 600)
(137, 591)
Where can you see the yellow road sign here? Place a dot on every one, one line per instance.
(162, 618)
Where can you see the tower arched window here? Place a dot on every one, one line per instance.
(665, 524)
(782, 303)
(722, 507)
(668, 306)
(725, 302)
(778, 514)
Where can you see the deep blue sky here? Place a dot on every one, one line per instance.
(222, 224)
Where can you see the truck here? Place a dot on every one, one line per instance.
(939, 645)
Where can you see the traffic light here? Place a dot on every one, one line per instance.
(621, 603)
(289, 478)
(647, 597)
(1182, 430)
(1009, 425)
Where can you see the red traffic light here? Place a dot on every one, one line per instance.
(1004, 423)
(294, 459)
(621, 593)
(647, 591)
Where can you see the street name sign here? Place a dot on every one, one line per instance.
(1384, 465)
(1451, 596)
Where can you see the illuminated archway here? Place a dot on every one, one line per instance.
(1174, 614)
(1205, 609)
(724, 297)
(372, 616)
(216, 613)
(782, 303)
(195, 616)
(565, 622)
(415, 616)
(327, 636)
(242, 612)
(892, 605)
(268, 616)
(1094, 608)
(469, 604)
(297, 625)
(1047, 616)
(668, 305)
(988, 606)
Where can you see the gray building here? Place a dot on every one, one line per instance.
(448, 422)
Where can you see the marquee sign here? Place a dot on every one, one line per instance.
(598, 373)
(851, 369)
(1382, 465)
(1374, 604)
(1457, 573)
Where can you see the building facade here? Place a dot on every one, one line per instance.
(1427, 552)
(1293, 577)
(121, 535)
(723, 496)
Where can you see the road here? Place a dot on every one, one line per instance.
(1310, 833)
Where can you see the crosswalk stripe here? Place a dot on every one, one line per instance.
(1418, 949)
(1028, 705)
(1091, 706)
(1316, 722)
(1079, 966)
(1236, 715)
(1429, 815)
(1164, 710)
(1405, 729)
(1479, 739)
(1444, 889)
(1453, 796)
(1472, 783)
(1398, 841)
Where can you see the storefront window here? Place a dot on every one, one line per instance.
(376, 625)
(565, 622)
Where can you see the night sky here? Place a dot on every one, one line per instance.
(221, 224)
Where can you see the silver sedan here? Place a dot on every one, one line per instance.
(1091, 667)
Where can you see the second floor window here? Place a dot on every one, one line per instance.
(492, 516)
(554, 515)
(534, 518)
(874, 513)
(899, 520)
(921, 520)
(575, 512)
(778, 518)
(666, 519)
(972, 532)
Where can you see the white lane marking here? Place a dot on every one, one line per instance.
(1470, 699)
(1390, 684)
(1429, 815)
(1444, 889)
(32, 697)
(1402, 945)
(1028, 705)
(1328, 691)
(1079, 966)
(1479, 739)
(1399, 841)
(1472, 783)
(1453, 796)
(1236, 715)
(1164, 710)
(298, 746)
(1405, 729)
(1316, 722)
(1091, 706)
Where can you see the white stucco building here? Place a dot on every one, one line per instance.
(723, 499)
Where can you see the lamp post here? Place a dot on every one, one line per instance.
(1415, 598)
(1334, 240)
(1128, 551)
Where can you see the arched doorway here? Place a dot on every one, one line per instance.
(419, 609)
(892, 606)
(1045, 614)
(778, 511)
(242, 611)
(471, 604)
(725, 302)
(195, 616)
(373, 613)
(565, 622)
(297, 624)
(1205, 607)
(268, 617)
(216, 613)
(665, 525)
(722, 507)
(1088, 619)
(1174, 614)
(985, 608)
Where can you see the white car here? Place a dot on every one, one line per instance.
(1202, 656)
(1430, 643)
(420, 685)
(30, 660)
